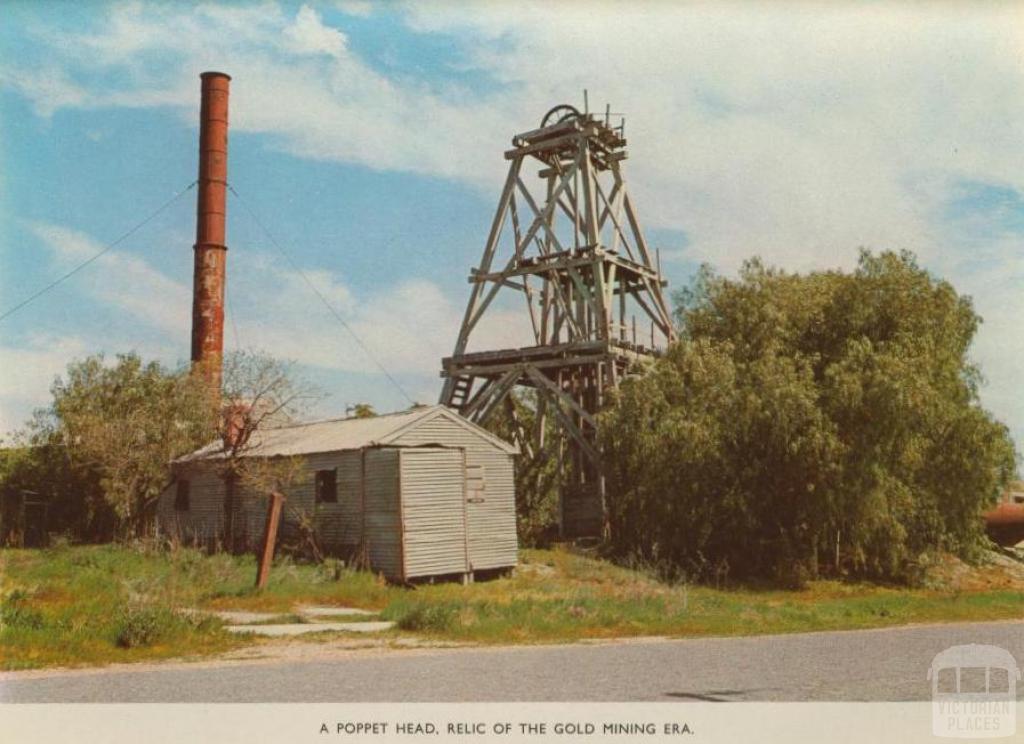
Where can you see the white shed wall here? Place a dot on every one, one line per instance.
(492, 523)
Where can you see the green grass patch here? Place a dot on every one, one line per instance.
(560, 596)
(87, 605)
(76, 606)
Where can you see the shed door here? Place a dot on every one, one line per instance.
(433, 511)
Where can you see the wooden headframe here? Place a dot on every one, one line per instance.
(570, 244)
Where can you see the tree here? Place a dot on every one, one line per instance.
(100, 453)
(73, 498)
(363, 410)
(537, 475)
(259, 392)
(121, 424)
(826, 421)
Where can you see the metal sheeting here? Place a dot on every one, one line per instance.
(432, 511)
(317, 436)
(339, 524)
(347, 434)
(383, 534)
(491, 524)
(439, 528)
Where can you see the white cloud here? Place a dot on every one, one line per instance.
(777, 130)
(293, 79)
(127, 282)
(27, 372)
(407, 326)
(49, 89)
(799, 132)
(358, 8)
(308, 35)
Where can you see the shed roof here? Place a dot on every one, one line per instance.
(343, 434)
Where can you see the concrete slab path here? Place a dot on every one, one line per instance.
(293, 629)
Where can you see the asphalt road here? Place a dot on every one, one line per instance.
(873, 665)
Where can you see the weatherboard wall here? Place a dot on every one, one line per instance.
(202, 524)
(338, 524)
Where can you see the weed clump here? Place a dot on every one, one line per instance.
(428, 618)
(146, 625)
(14, 613)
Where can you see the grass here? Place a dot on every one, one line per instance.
(94, 605)
(89, 605)
(558, 596)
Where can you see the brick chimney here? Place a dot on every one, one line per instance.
(210, 247)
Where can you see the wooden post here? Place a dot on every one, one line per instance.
(363, 555)
(269, 538)
(228, 538)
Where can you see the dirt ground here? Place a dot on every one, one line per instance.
(1000, 571)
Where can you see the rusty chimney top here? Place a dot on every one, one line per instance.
(211, 248)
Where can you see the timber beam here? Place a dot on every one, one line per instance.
(565, 260)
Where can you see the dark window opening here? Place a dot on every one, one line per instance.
(326, 487)
(181, 497)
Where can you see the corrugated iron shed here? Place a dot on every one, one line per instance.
(418, 493)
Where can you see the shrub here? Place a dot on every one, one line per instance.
(428, 617)
(802, 424)
(145, 625)
(14, 613)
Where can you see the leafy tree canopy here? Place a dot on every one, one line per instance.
(363, 410)
(100, 452)
(804, 422)
(121, 424)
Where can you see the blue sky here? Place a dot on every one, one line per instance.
(368, 137)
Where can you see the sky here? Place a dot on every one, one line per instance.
(368, 139)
